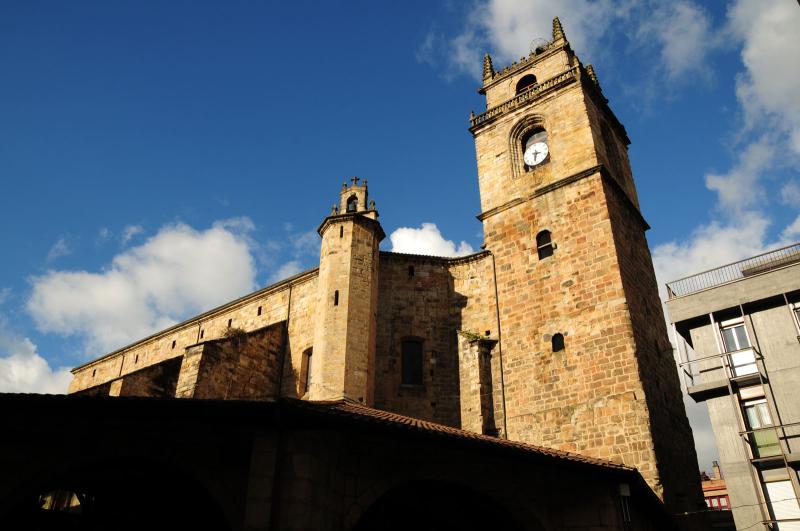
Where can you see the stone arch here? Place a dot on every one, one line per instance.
(117, 493)
(521, 130)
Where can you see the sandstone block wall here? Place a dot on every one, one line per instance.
(158, 380)
(295, 299)
(243, 366)
(672, 440)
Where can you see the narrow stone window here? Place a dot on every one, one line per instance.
(230, 322)
(94, 371)
(174, 343)
(136, 359)
(411, 362)
(336, 298)
(202, 332)
(341, 231)
(305, 371)
(352, 203)
(558, 342)
(410, 271)
(525, 83)
(259, 310)
(544, 244)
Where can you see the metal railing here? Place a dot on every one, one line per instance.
(730, 366)
(735, 271)
(772, 441)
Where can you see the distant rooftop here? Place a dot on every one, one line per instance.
(736, 271)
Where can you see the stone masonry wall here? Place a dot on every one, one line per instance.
(671, 433)
(242, 366)
(586, 398)
(418, 306)
(159, 380)
(252, 312)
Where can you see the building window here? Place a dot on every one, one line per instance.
(734, 337)
(525, 83)
(202, 333)
(352, 203)
(544, 245)
(558, 342)
(411, 361)
(736, 342)
(336, 298)
(174, 343)
(410, 271)
(341, 231)
(259, 310)
(305, 371)
(230, 322)
(763, 437)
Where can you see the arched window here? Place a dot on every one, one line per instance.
(558, 342)
(411, 361)
(544, 244)
(525, 83)
(352, 203)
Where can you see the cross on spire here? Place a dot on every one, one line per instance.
(355, 181)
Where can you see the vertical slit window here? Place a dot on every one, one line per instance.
(259, 310)
(341, 231)
(336, 298)
(410, 271)
(305, 371)
(544, 244)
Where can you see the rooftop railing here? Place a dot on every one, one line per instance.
(735, 271)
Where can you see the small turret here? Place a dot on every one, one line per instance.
(558, 31)
(488, 68)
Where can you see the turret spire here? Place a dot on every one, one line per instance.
(488, 68)
(558, 31)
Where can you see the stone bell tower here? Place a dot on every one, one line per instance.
(589, 368)
(345, 325)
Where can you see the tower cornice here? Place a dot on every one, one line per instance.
(360, 217)
(533, 58)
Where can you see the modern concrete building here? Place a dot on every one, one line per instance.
(737, 330)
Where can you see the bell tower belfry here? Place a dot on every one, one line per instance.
(345, 324)
(588, 363)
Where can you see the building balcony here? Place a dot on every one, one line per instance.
(713, 376)
(776, 443)
(736, 271)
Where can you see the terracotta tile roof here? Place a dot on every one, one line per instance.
(364, 414)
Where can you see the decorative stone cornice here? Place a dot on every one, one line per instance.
(535, 92)
(601, 169)
(359, 217)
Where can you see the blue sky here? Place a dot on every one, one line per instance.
(159, 158)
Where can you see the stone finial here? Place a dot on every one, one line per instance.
(558, 31)
(471, 115)
(488, 68)
(334, 210)
(590, 72)
(344, 185)
(372, 204)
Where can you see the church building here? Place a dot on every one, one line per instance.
(552, 336)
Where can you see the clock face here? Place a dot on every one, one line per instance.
(535, 153)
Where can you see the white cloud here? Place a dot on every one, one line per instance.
(768, 89)
(426, 240)
(129, 232)
(286, 270)
(22, 370)
(682, 32)
(103, 235)
(790, 193)
(59, 249)
(791, 234)
(178, 271)
(740, 188)
(507, 27)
